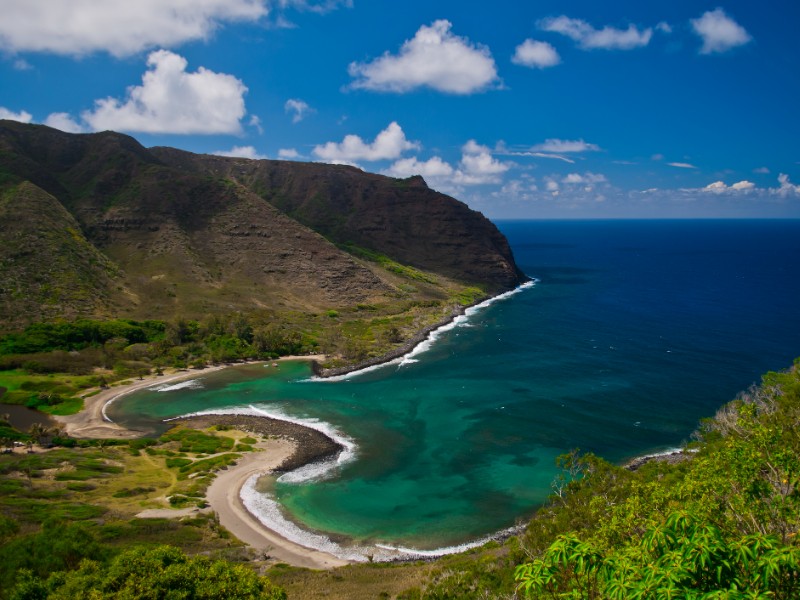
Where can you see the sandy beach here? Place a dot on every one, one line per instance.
(224, 497)
(295, 445)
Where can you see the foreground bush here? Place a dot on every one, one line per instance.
(150, 574)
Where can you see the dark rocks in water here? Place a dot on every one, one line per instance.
(312, 445)
(671, 458)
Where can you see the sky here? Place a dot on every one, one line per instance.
(526, 110)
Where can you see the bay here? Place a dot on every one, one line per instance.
(633, 332)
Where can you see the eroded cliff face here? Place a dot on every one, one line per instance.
(401, 218)
(161, 232)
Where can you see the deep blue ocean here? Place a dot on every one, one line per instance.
(634, 331)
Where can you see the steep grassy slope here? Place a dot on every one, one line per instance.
(402, 218)
(47, 266)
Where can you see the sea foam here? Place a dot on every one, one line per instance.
(191, 384)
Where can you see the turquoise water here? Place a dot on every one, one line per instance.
(634, 331)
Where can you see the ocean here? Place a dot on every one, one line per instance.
(632, 333)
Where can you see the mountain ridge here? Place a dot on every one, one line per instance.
(188, 234)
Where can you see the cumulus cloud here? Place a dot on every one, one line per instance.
(288, 154)
(589, 38)
(681, 165)
(241, 152)
(719, 187)
(120, 27)
(535, 54)
(523, 189)
(476, 167)
(564, 146)
(298, 108)
(551, 185)
(21, 116)
(787, 188)
(587, 178)
(719, 32)
(433, 58)
(255, 121)
(389, 144)
(431, 169)
(64, 122)
(172, 100)
(664, 27)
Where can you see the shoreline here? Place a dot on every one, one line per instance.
(309, 447)
(409, 346)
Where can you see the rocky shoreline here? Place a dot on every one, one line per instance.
(672, 458)
(395, 353)
(311, 445)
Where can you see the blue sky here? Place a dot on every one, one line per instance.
(542, 109)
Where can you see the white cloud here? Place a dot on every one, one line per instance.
(433, 58)
(681, 165)
(787, 188)
(524, 189)
(473, 147)
(664, 27)
(587, 178)
(761, 170)
(241, 152)
(64, 122)
(299, 108)
(171, 100)
(478, 166)
(22, 65)
(565, 146)
(288, 154)
(743, 186)
(536, 155)
(719, 32)
(120, 27)
(22, 116)
(433, 168)
(255, 121)
(532, 53)
(719, 187)
(389, 144)
(588, 38)
(657, 157)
